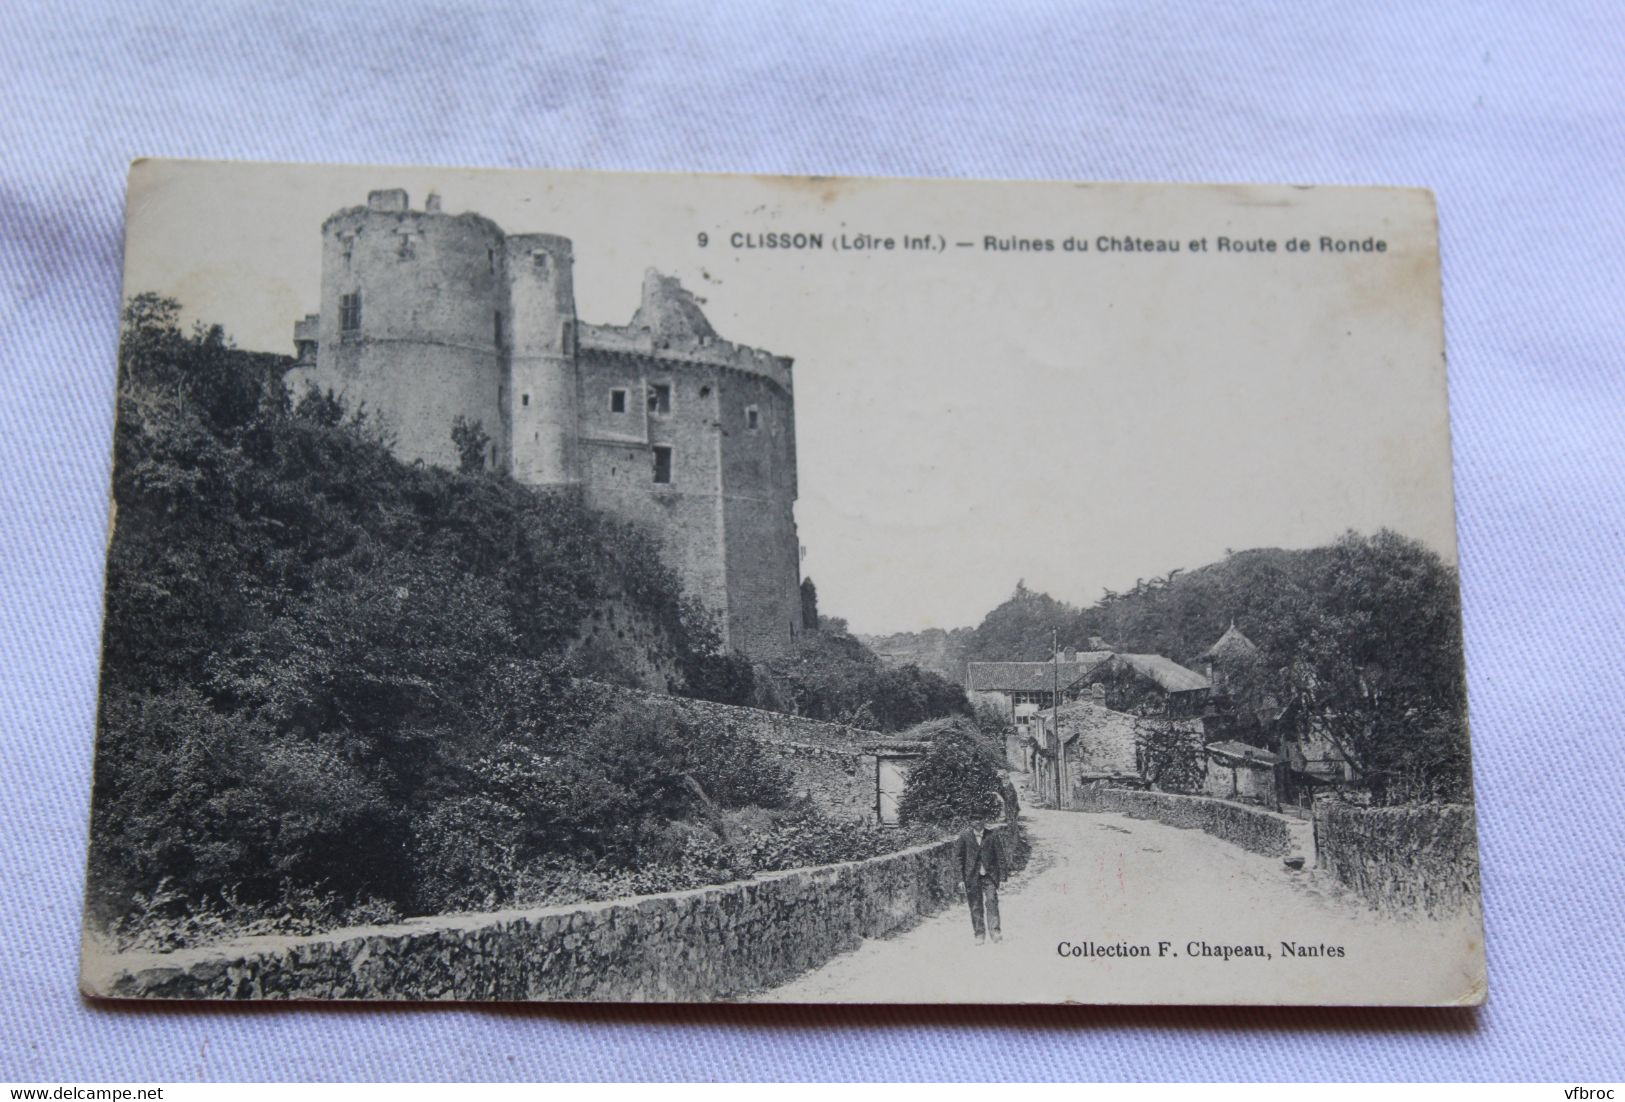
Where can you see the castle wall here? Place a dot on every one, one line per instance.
(541, 396)
(426, 350)
(617, 462)
(457, 319)
(758, 488)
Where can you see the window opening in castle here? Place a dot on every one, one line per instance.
(524, 399)
(659, 398)
(408, 250)
(662, 464)
(617, 400)
(753, 418)
(539, 259)
(705, 392)
(350, 312)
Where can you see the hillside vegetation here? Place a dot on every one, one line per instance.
(337, 687)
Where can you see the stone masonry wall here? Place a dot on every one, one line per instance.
(708, 943)
(828, 761)
(775, 726)
(1250, 828)
(1401, 859)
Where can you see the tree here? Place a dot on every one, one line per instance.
(708, 671)
(809, 604)
(1379, 668)
(956, 780)
(472, 443)
(831, 675)
(1022, 628)
(1168, 752)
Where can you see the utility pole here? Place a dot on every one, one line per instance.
(1055, 707)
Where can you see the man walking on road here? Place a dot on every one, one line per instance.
(983, 864)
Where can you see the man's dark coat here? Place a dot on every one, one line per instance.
(991, 856)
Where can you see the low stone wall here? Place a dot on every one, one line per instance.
(1401, 859)
(703, 944)
(1250, 828)
(840, 783)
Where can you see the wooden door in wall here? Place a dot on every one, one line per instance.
(890, 776)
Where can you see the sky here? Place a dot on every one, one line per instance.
(972, 416)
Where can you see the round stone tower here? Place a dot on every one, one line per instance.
(413, 317)
(542, 400)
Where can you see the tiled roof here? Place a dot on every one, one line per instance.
(1167, 673)
(1240, 751)
(1011, 677)
(1232, 644)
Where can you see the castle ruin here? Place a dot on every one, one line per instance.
(426, 317)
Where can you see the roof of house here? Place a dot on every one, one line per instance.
(1231, 645)
(1168, 674)
(1241, 752)
(1029, 676)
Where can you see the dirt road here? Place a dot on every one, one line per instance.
(1104, 881)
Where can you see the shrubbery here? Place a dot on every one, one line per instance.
(331, 675)
(957, 780)
(807, 838)
(830, 675)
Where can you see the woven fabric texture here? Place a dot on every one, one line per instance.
(1511, 113)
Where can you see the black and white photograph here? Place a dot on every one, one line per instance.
(566, 586)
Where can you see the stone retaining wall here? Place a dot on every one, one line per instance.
(1250, 828)
(1401, 859)
(828, 762)
(772, 726)
(708, 943)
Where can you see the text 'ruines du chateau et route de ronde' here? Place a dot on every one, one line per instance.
(1108, 243)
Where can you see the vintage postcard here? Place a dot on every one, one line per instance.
(570, 586)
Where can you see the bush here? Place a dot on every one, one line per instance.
(832, 676)
(956, 781)
(164, 919)
(805, 838)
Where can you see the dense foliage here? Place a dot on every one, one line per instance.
(831, 675)
(1360, 640)
(955, 781)
(339, 684)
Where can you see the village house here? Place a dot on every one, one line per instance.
(1095, 697)
(1237, 771)
(1103, 742)
(1226, 658)
(1150, 684)
(1259, 743)
(1020, 689)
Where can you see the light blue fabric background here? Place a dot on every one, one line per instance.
(1514, 114)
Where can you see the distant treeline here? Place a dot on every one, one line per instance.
(1360, 640)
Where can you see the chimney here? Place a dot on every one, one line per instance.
(432, 202)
